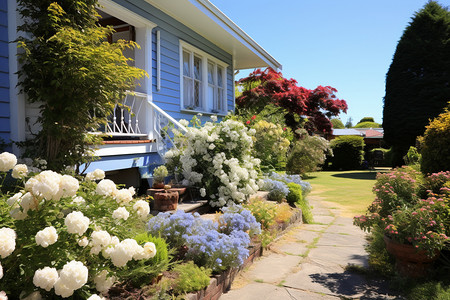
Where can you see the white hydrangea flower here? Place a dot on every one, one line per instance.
(142, 208)
(124, 252)
(100, 238)
(76, 223)
(97, 174)
(202, 192)
(18, 214)
(132, 190)
(7, 241)
(83, 242)
(61, 289)
(123, 196)
(29, 202)
(103, 282)
(78, 200)
(14, 199)
(121, 213)
(106, 187)
(3, 295)
(7, 161)
(184, 122)
(19, 171)
(74, 275)
(69, 186)
(214, 118)
(46, 236)
(46, 185)
(45, 278)
(1, 271)
(149, 250)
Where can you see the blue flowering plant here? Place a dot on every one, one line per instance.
(278, 190)
(216, 245)
(294, 178)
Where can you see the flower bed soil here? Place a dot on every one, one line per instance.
(221, 283)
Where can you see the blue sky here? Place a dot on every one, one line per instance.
(346, 44)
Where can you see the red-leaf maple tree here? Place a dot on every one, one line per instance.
(268, 86)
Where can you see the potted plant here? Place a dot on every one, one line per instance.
(159, 175)
(166, 200)
(416, 235)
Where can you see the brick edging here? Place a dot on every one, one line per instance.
(221, 283)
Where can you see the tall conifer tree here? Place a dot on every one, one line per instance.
(418, 80)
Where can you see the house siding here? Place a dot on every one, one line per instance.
(171, 31)
(5, 126)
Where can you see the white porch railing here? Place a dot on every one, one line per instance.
(137, 116)
(124, 120)
(163, 124)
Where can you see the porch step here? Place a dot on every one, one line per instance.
(198, 206)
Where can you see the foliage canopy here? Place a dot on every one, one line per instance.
(70, 69)
(417, 86)
(264, 87)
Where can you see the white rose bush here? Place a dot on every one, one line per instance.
(216, 158)
(65, 236)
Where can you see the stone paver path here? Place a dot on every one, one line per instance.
(310, 262)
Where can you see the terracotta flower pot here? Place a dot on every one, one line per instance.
(165, 201)
(158, 185)
(409, 261)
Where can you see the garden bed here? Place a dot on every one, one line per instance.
(221, 283)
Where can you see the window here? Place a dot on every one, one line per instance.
(203, 81)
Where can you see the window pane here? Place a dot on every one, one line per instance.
(220, 76)
(197, 68)
(197, 93)
(210, 73)
(188, 92)
(220, 100)
(187, 64)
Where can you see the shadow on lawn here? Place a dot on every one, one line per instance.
(357, 175)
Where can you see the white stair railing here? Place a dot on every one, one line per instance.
(163, 126)
(124, 121)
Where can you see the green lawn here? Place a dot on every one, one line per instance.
(350, 190)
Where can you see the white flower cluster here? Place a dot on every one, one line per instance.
(129, 249)
(46, 236)
(7, 241)
(103, 282)
(97, 174)
(1, 271)
(21, 204)
(19, 171)
(142, 209)
(76, 223)
(71, 277)
(121, 213)
(50, 185)
(107, 187)
(218, 155)
(7, 161)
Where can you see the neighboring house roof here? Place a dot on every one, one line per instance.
(347, 131)
(208, 21)
(370, 133)
(373, 134)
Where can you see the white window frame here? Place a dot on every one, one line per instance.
(206, 103)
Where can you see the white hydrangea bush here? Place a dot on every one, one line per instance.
(67, 236)
(216, 158)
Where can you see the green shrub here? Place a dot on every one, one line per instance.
(430, 290)
(307, 154)
(150, 269)
(367, 125)
(270, 144)
(263, 211)
(190, 278)
(379, 258)
(348, 152)
(295, 197)
(436, 145)
(412, 157)
(366, 119)
(337, 123)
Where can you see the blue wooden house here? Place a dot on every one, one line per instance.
(191, 51)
